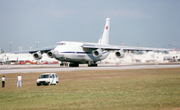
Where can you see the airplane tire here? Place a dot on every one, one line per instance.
(74, 65)
(92, 65)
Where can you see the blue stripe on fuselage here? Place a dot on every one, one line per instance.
(82, 52)
(67, 52)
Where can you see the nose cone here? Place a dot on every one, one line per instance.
(57, 54)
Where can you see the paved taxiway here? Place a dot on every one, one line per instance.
(48, 68)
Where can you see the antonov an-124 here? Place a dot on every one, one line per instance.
(86, 53)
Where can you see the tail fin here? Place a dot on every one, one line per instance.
(105, 37)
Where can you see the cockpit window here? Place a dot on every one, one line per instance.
(43, 76)
(62, 43)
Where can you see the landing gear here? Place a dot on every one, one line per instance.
(63, 64)
(73, 65)
(92, 65)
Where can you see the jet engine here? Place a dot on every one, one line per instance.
(120, 54)
(97, 53)
(37, 55)
(50, 54)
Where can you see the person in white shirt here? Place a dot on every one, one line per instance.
(19, 80)
(3, 81)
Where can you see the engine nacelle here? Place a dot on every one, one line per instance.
(97, 53)
(50, 54)
(120, 54)
(37, 55)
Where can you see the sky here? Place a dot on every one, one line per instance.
(26, 24)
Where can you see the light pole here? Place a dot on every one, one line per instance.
(20, 48)
(10, 46)
(37, 44)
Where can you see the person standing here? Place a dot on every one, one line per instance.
(3, 81)
(19, 80)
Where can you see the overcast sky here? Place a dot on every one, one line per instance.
(149, 23)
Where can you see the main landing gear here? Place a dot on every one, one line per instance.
(92, 65)
(73, 65)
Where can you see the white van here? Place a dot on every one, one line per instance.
(47, 79)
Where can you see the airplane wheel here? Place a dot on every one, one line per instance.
(74, 65)
(92, 65)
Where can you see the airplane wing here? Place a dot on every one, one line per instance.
(106, 47)
(126, 48)
(42, 50)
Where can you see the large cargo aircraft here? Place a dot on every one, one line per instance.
(86, 53)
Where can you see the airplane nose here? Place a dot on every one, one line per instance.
(57, 54)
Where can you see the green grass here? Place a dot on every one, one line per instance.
(151, 89)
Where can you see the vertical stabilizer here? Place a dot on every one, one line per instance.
(105, 37)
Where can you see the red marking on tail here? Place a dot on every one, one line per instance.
(106, 27)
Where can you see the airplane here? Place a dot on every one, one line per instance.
(86, 53)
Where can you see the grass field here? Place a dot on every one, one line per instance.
(147, 89)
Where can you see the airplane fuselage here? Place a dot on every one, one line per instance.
(74, 52)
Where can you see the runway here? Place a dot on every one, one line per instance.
(55, 68)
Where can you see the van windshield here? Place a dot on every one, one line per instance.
(43, 76)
